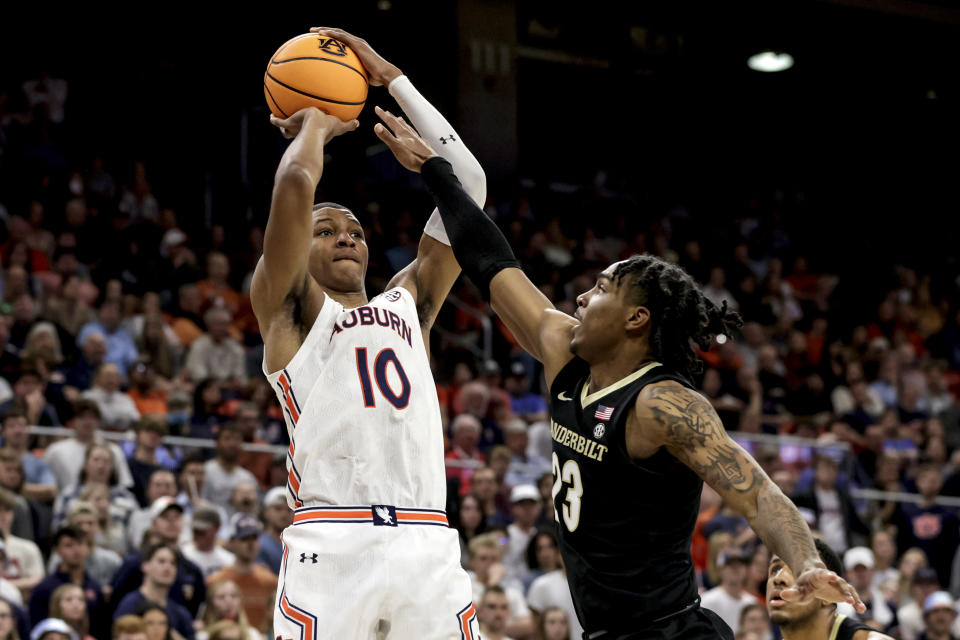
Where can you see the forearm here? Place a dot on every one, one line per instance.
(40, 492)
(782, 528)
(440, 135)
(477, 243)
(305, 153)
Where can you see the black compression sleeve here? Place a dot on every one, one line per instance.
(477, 242)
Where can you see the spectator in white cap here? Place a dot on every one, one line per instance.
(939, 615)
(910, 616)
(858, 564)
(204, 551)
(161, 483)
(53, 629)
(277, 516)
(525, 506)
(189, 588)
(167, 518)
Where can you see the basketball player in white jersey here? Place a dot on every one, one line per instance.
(370, 553)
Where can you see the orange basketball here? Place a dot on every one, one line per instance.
(315, 71)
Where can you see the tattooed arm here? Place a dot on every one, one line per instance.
(670, 415)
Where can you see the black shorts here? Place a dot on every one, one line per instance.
(696, 624)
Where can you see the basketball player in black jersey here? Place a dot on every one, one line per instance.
(632, 440)
(813, 619)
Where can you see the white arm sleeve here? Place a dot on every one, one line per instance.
(439, 134)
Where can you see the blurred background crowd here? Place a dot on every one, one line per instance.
(142, 468)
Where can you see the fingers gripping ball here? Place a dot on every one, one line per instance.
(315, 71)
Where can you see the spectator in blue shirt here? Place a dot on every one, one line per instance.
(39, 481)
(159, 568)
(121, 348)
(529, 406)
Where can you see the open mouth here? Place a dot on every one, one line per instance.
(775, 600)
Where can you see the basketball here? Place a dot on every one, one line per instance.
(315, 71)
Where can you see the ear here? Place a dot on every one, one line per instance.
(638, 320)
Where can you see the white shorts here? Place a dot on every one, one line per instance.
(359, 573)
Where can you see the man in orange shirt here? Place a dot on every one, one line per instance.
(147, 398)
(216, 285)
(257, 583)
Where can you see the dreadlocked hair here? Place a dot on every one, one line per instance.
(679, 312)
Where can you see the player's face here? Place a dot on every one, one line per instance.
(779, 577)
(338, 257)
(602, 313)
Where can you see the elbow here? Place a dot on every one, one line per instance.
(474, 182)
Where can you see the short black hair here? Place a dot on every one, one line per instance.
(68, 531)
(228, 427)
(152, 549)
(330, 205)
(83, 406)
(829, 556)
(13, 412)
(194, 457)
(679, 312)
(147, 606)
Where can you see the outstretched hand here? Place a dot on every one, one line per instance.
(311, 117)
(379, 71)
(405, 143)
(825, 585)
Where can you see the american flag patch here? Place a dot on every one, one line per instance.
(603, 413)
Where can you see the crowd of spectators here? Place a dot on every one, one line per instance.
(121, 315)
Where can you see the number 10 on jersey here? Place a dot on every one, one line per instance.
(386, 357)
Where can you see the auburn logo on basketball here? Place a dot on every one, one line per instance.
(332, 47)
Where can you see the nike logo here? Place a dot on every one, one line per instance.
(563, 396)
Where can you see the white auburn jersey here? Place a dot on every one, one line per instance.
(361, 409)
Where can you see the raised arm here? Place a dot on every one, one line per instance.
(281, 274)
(673, 416)
(432, 274)
(484, 253)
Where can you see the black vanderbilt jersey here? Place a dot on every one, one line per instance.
(625, 525)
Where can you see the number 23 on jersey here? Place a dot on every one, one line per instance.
(568, 476)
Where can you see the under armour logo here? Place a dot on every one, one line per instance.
(451, 139)
(303, 557)
(384, 515)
